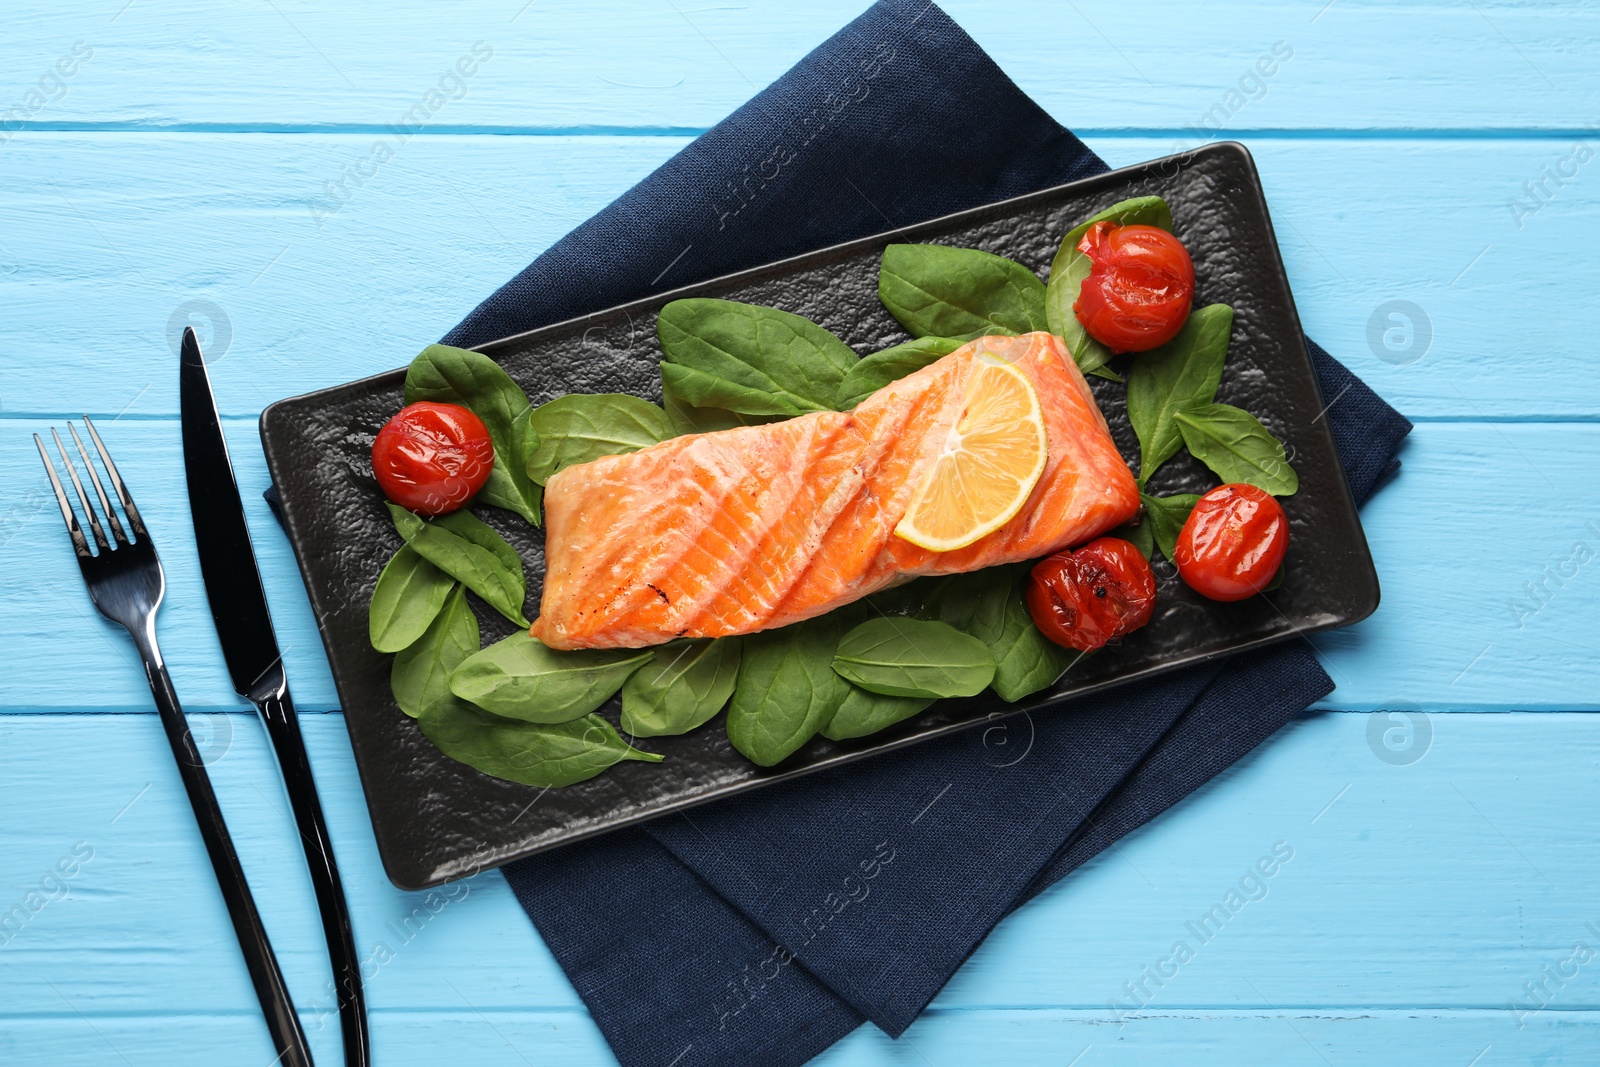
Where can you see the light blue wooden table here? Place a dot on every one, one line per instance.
(210, 164)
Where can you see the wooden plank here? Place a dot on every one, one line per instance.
(106, 239)
(1483, 605)
(220, 231)
(1458, 628)
(1046, 1038)
(1149, 64)
(112, 936)
(426, 1038)
(1445, 883)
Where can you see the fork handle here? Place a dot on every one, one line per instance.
(287, 1035)
(283, 728)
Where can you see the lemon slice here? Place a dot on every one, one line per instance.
(991, 461)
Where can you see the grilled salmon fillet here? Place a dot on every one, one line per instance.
(761, 526)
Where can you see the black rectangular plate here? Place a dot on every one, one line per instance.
(436, 819)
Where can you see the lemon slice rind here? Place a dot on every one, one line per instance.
(961, 471)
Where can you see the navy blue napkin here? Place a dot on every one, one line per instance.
(763, 928)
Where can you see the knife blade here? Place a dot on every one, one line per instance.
(250, 646)
(227, 558)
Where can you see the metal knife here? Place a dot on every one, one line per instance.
(244, 626)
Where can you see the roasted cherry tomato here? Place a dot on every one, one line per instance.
(432, 458)
(1096, 594)
(1233, 542)
(1139, 287)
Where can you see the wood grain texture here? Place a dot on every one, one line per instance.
(1151, 64)
(1389, 863)
(1408, 154)
(102, 265)
(1044, 1038)
(105, 240)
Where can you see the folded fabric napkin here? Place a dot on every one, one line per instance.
(763, 928)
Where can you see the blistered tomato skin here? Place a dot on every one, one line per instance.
(1139, 288)
(432, 458)
(1098, 593)
(1233, 542)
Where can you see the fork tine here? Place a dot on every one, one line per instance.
(83, 498)
(116, 482)
(79, 544)
(99, 491)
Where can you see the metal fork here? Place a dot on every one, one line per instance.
(126, 583)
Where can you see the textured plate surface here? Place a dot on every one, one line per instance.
(435, 819)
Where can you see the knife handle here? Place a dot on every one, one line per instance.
(276, 1005)
(283, 728)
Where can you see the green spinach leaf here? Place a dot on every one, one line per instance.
(1139, 534)
(914, 658)
(1070, 267)
(461, 545)
(938, 291)
(545, 756)
(1025, 660)
(519, 678)
(749, 359)
(879, 369)
(683, 686)
(787, 689)
(1237, 448)
(420, 674)
(686, 418)
(954, 599)
(409, 593)
(1165, 515)
(579, 427)
(864, 713)
(704, 390)
(1182, 373)
(476, 382)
